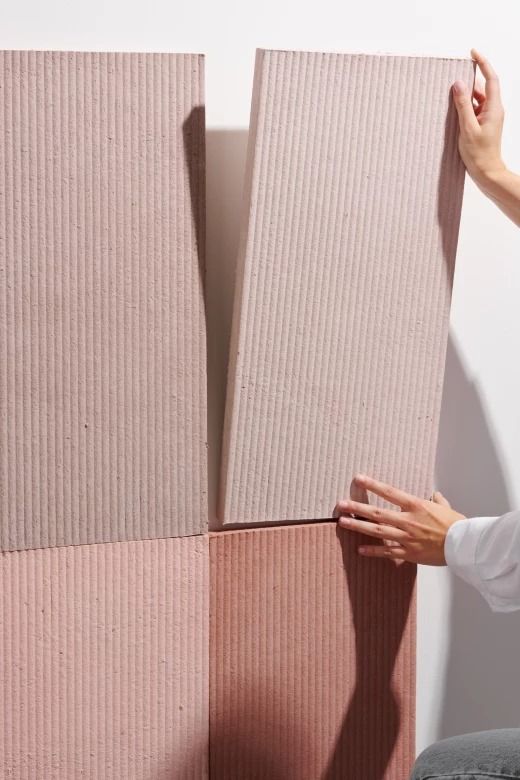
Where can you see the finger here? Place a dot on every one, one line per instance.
(393, 544)
(375, 513)
(380, 551)
(389, 492)
(358, 493)
(376, 530)
(479, 96)
(479, 87)
(438, 498)
(492, 87)
(464, 106)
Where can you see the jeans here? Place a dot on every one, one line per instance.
(478, 756)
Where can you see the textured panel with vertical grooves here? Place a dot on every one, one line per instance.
(104, 661)
(353, 195)
(312, 648)
(102, 338)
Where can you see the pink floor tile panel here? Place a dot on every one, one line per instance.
(104, 661)
(353, 194)
(102, 326)
(312, 658)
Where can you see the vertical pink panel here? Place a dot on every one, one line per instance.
(102, 327)
(312, 658)
(353, 196)
(104, 661)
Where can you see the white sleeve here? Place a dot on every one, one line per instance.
(485, 551)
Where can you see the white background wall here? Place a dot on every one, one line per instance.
(468, 658)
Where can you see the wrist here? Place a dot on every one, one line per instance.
(491, 178)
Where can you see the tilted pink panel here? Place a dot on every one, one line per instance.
(312, 658)
(352, 205)
(104, 661)
(102, 327)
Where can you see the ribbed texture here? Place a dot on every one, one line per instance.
(353, 195)
(104, 662)
(312, 658)
(102, 333)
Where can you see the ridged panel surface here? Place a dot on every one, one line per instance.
(102, 327)
(104, 661)
(312, 658)
(352, 204)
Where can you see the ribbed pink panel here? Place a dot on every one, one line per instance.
(353, 195)
(104, 661)
(102, 327)
(312, 658)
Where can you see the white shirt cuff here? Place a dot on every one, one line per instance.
(460, 547)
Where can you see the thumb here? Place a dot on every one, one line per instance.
(438, 498)
(464, 106)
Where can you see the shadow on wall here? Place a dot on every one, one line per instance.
(246, 745)
(450, 183)
(193, 766)
(482, 684)
(380, 598)
(193, 142)
(225, 167)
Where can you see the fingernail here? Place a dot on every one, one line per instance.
(459, 87)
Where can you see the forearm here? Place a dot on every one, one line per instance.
(503, 188)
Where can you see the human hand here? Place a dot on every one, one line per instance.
(416, 533)
(481, 117)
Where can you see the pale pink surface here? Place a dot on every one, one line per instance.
(353, 193)
(104, 661)
(312, 658)
(102, 325)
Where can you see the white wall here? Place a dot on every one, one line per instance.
(468, 669)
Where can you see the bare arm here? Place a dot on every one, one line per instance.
(481, 117)
(503, 187)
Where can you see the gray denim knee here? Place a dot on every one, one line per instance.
(477, 756)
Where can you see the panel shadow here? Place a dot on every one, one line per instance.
(226, 159)
(381, 595)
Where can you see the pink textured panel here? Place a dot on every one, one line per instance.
(102, 332)
(353, 196)
(104, 661)
(312, 658)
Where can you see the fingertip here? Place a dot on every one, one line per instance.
(459, 88)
